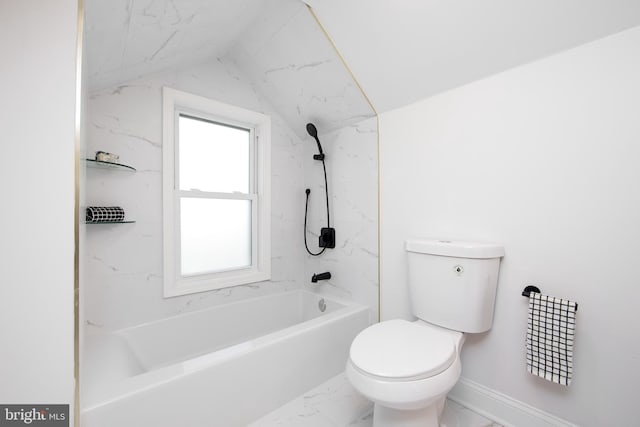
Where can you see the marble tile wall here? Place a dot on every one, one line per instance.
(352, 170)
(291, 62)
(132, 38)
(123, 263)
(282, 66)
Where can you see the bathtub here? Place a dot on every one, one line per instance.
(224, 366)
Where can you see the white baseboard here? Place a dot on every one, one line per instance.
(502, 408)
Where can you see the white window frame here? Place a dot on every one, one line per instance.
(175, 103)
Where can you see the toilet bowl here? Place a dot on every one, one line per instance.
(406, 369)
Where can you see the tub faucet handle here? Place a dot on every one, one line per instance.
(320, 276)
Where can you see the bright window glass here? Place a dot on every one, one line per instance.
(216, 194)
(213, 157)
(215, 235)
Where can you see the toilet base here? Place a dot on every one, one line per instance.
(424, 417)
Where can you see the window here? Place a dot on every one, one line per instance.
(216, 194)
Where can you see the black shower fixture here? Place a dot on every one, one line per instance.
(311, 130)
(327, 237)
(320, 276)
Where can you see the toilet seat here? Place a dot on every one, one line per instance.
(403, 351)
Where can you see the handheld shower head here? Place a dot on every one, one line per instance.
(312, 131)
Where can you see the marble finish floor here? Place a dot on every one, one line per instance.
(336, 404)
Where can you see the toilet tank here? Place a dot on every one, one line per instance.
(453, 283)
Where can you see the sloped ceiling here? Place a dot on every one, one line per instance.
(405, 50)
(400, 51)
(291, 63)
(276, 44)
(125, 39)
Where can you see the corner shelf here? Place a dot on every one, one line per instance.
(98, 164)
(109, 222)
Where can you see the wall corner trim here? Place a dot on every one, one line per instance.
(342, 59)
(502, 408)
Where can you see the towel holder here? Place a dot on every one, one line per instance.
(530, 288)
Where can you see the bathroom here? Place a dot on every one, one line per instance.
(124, 263)
(532, 147)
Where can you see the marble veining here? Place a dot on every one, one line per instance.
(132, 38)
(292, 64)
(123, 262)
(281, 64)
(351, 158)
(335, 403)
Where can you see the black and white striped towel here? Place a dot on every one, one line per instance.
(550, 333)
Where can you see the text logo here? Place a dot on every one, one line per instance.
(34, 415)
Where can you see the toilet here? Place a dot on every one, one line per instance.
(407, 368)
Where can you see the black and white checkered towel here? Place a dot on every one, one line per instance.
(104, 214)
(550, 333)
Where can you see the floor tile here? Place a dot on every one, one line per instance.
(335, 403)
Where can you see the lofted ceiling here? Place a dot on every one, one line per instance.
(288, 59)
(400, 51)
(277, 46)
(405, 50)
(125, 39)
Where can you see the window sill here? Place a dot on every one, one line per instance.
(193, 285)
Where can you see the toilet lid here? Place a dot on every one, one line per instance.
(403, 350)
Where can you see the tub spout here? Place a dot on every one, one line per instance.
(321, 276)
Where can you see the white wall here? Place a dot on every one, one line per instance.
(124, 261)
(544, 159)
(352, 169)
(37, 108)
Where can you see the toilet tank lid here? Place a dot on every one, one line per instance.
(455, 248)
